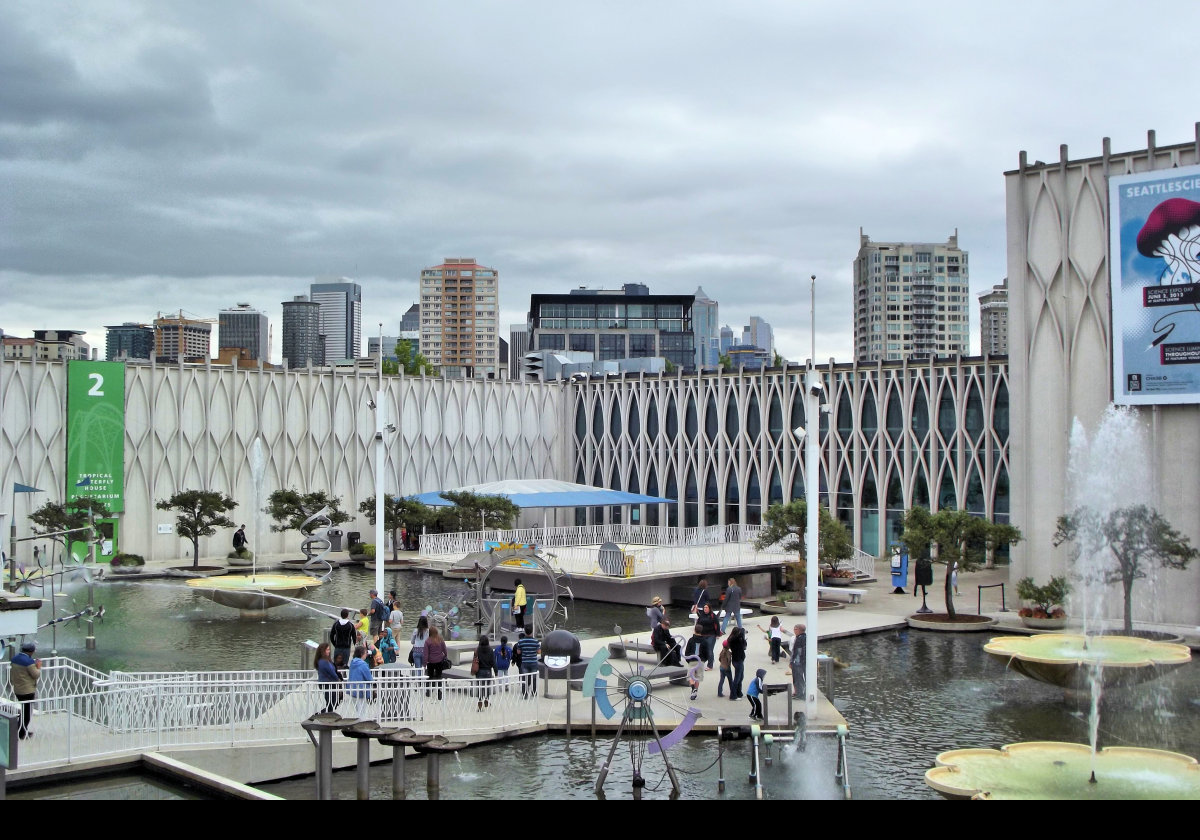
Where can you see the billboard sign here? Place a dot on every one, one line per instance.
(1154, 260)
(96, 432)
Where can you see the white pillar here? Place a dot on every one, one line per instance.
(379, 458)
(812, 497)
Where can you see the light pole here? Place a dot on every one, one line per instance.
(812, 493)
(379, 456)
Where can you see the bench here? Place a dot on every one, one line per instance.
(619, 650)
(855, 595)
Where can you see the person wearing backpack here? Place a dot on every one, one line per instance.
(754, 692)
(503, 655)
(342, 637)
(379, 614)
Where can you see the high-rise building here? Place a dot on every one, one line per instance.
(460, 305)
(129, 341)
(390, 342)
(245, 328)
(707, 329)
(411, 322)
(518, 346)
(177, 337)
(341, 316)
(303, 343)
(758, 333)
(993, 320)
(727, 339)
(625, 323)
(910, 299)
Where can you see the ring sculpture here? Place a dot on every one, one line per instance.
(525, 558)
(317, 537)
(634, 693)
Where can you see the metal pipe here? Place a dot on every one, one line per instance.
(433, 781)
(362, 772)
(720, 762)
(325, 765)
(399, 782)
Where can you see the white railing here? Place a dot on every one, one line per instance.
(455, 545)
(129, 712)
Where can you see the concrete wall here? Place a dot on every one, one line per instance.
(1060, 357)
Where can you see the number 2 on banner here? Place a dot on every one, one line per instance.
(98, 381)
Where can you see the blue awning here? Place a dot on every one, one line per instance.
(545, 493)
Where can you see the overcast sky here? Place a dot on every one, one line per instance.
(165, 155)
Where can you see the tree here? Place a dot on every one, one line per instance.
(786, 526)
(670, 367)
(474, 512)
(290, 508)
(725, 362)
(52, 518)
(777, 360)
(398, 512)
(1135, 539)
(411, 362)
(201, 512)
(960, 538)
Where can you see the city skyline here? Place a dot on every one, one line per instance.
(163, 158)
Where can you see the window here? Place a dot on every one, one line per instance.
(552, 341)
(641, 346)
(613, 346)
(583, 342)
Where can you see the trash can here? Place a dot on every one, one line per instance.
(335, 538)
(353, 538)
(612, 560)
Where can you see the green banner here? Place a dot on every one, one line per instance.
(96, 432)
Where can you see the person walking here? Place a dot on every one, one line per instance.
(798, 661)
(24, 673)
(437, 658)
(775, 636)
(483, 668)
(655, 613)
(378, 613)
(328, 677)
(342, 637)
(420, 635)
(529, 648)
(360, 680)
(239, 539)
(737, 657)
(700, 595)
(708, 628)
(733, 604)
(503, 654)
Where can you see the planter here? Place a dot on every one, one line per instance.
(801, 607)
(959, 624)
(196, 571)
(126, 570)
(838, 581)
(1044, 623)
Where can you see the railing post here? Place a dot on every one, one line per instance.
(158, 705)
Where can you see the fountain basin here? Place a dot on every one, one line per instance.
(253, 593)
(1064, 659)
(1059, 770)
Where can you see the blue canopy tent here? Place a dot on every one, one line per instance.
(544, 493)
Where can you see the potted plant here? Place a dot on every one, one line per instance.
(1044, 609)
(127, 564)
(242, 557)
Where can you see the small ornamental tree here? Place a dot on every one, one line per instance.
(290, 508)
(786, 526)
(1047, 600)
(75, 516)
(201, 513)
(398, 512)
(960, 537)
(1132, 539)
(475, 512)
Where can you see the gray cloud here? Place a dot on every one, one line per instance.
(165, 156)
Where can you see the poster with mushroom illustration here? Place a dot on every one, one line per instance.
(1154, 241)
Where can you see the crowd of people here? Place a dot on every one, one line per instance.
(362, 643)
(698, 652)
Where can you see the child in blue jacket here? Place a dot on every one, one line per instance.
(754, 692)
(504, 657)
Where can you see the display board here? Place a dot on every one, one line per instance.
(96, 432)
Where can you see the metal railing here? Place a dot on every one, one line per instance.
(548, 539)
(128, 712)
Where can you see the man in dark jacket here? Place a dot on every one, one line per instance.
(342, 636)
(665, 645)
